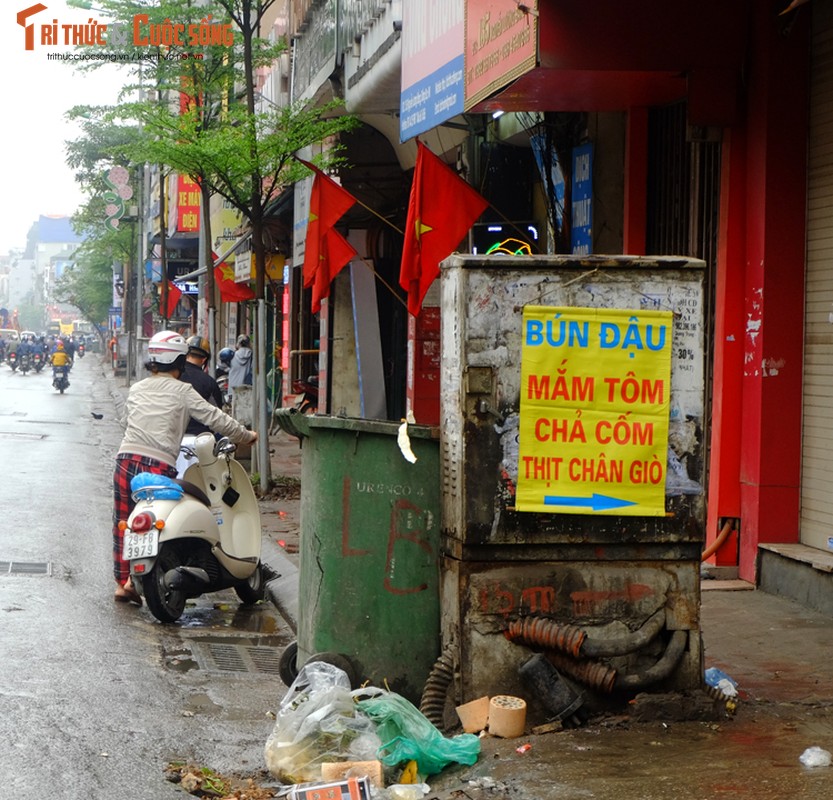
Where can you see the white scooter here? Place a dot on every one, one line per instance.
(194, 535)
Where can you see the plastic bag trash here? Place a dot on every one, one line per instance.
(317, 722)
(149, 484)
(816, 757)
(408, 791)
(720, 680)
(407, 735)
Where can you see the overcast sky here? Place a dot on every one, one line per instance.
(36, 93)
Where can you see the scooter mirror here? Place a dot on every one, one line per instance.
(223, 446)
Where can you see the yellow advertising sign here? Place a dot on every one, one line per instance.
(274, 266)
(595, 399)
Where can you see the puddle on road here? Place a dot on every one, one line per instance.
(180, 660)
(246, 619)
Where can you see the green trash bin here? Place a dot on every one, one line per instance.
(369, 549)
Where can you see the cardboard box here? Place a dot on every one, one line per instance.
(338, 770)
(348, 789)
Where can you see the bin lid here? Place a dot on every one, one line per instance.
(372, 426)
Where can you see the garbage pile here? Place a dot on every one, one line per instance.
(363, 743)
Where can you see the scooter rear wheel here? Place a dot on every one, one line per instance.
(253, 590)
(165, 604)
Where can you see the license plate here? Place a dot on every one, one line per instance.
(140, 545)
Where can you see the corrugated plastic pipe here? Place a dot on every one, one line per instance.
(432, 702)
(658, 671)
(727, 528)
(572, 640)
(622, 645)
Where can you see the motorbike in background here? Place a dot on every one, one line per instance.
(81, 349)
(198, 534)
(221, 372)
(12, 359)
(24, 363)
(60, 380)
(37, 361)
(306, 394)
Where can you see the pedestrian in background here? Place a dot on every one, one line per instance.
(240, 372)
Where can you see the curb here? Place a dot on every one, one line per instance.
(282, 587)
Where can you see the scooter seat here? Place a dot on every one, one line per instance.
(193, 490)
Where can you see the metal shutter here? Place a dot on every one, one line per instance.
(817, 443)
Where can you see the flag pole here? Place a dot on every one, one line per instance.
(359, 202)
(383, 281)
(377, 214)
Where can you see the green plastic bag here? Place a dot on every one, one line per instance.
(408, 734)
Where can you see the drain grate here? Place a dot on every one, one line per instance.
(25, 567)
(225, 657)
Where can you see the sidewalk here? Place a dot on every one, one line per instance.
(280, 516)
(778, 651)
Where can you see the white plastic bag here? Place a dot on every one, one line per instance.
(816, 757)
(317, 722)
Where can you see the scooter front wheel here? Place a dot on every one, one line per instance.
(165, 604)
(254, 589)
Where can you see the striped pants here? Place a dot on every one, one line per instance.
(128, 465)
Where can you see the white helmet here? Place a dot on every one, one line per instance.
(165, 347)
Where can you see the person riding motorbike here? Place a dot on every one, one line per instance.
(60, 358)
(199, 351)
(24, 353)
(158, 410)
(60, 364)
(224, 358)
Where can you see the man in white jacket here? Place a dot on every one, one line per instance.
(158, 410)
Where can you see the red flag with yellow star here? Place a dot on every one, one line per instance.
(174, 293)
(231, 292)
(326, 251)
(441, 210)
(334, 252)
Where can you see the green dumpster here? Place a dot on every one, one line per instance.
(369, 549)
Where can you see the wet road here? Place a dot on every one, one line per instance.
(98, 697)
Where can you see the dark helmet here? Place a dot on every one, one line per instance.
(199, 346)
(226, 355)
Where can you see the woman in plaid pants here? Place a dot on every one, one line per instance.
(158, 410)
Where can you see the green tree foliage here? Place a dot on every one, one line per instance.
(88, 283)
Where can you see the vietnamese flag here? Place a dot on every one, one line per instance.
(334, 251)
(441, 210)
(230, 291)
(325, 253)
(174, 293)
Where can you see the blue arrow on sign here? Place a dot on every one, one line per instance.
(598, 502)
